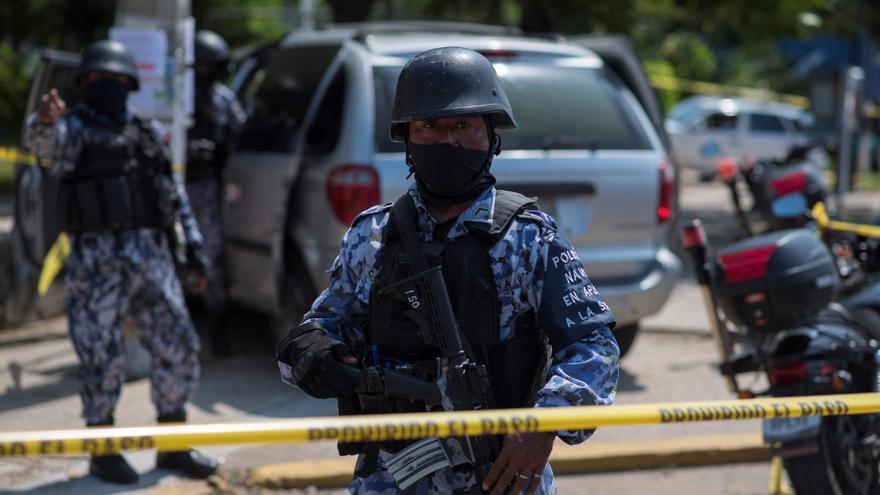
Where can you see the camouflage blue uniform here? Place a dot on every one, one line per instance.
(535, 269)
(222, 112)
(110, 276)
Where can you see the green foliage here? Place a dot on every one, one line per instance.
(727, 41)
(659, 67)
(13, 92)
(689, 55)
(60, 24)
(244, 22)
(7, 177)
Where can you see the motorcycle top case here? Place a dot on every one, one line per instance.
(802, 179)
(772, 281)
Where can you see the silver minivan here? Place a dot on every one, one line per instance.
(316, 152)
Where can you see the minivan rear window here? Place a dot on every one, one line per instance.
(554, 108)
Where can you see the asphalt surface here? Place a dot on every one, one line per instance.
(672, 360)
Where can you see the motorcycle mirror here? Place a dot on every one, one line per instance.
(789, 206)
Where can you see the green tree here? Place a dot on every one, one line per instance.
(244, 22)
(691, 57)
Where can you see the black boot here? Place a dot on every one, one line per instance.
(189, 462)
(112, 468)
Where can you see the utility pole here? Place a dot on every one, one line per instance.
(853, 82)
(167, 92)
(307, 15)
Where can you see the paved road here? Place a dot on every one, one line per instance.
(671, 360)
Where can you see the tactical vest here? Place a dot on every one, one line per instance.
(517, 367)
(121, 181)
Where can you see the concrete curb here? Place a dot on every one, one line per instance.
(587, 458)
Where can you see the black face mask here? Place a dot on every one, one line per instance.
(447, 174)
(107, 96)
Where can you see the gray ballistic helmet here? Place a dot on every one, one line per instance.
(445, 82)
(211, 48)
(108, 56)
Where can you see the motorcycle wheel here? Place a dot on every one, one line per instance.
(844, 463)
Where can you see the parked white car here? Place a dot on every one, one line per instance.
(704, 128)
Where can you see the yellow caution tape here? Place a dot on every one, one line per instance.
(673, 83)
(17, 156)
(381, 427)
(820, 215)
(54, 261)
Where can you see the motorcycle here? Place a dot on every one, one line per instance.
(782, 304)
(771, 179)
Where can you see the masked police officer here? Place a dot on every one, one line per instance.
(117, 199)
(524, 305)
(218, 120)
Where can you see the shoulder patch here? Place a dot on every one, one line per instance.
(369, 212)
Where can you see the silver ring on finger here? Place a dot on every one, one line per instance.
(522, 476)
(537, 475)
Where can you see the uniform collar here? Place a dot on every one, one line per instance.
(480, 211)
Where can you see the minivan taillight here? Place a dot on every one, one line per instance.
(352, 189)
(667, 189)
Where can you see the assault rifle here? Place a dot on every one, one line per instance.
(461, 383)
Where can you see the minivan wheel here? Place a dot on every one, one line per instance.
(297, 296)
(625, 335)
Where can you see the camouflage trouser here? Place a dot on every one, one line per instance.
(108, 278)
(440, 483)
(204, 196)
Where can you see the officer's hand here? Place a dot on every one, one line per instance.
(520, 464)
(51, 107)
(323, 367)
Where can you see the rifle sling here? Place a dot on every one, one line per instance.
(403, 215)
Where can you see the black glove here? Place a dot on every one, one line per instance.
(314, 359)
(196, 261)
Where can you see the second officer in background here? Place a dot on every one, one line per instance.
(218, 120)
(117, 201)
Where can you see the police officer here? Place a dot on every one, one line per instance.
(218, 120)
(519, 292)
(117, 198)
